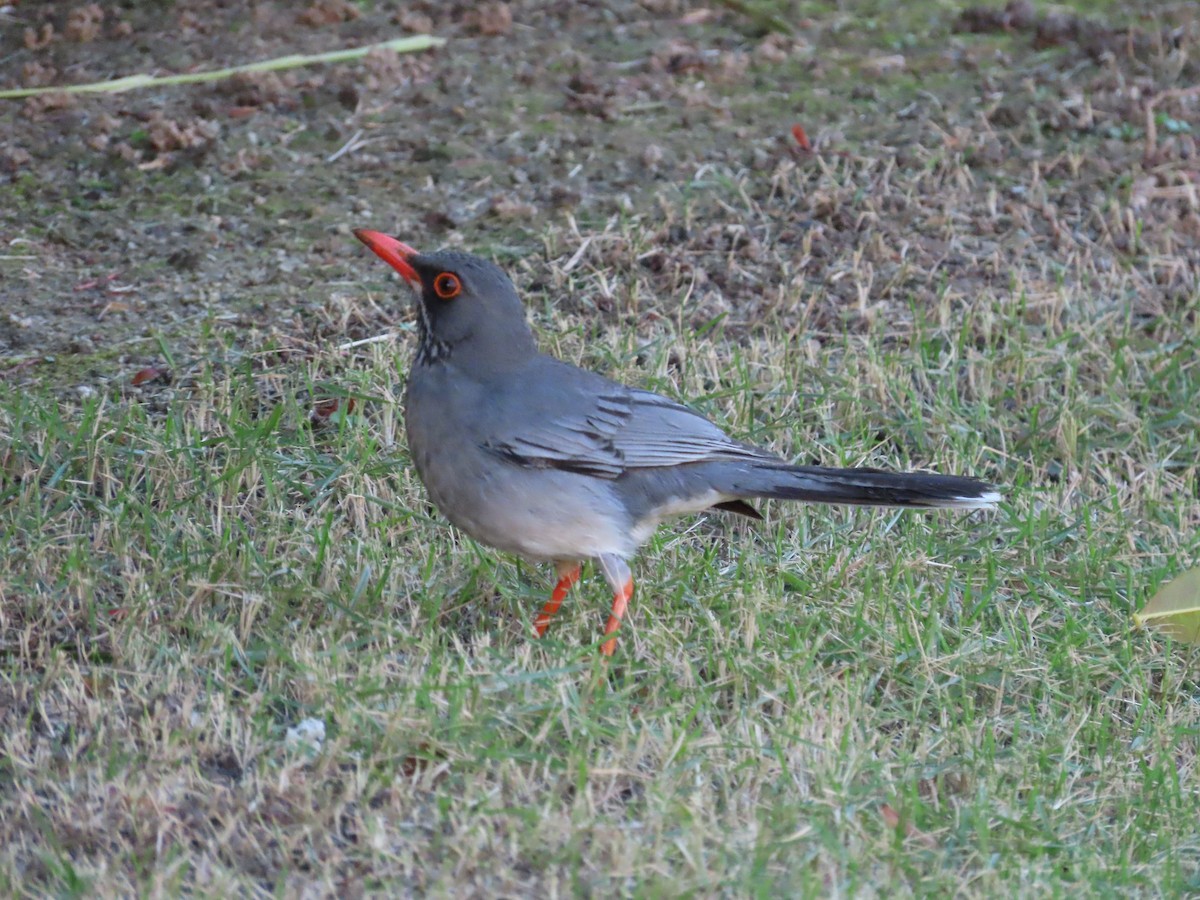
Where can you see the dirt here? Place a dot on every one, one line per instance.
(604, 152)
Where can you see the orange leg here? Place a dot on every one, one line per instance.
(568, 574)
(620, 604)
(620, 580)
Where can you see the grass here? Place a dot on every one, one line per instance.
(182, 585)
(827, 703)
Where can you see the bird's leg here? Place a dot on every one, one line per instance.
(620, 603)
(620, 579)
(568, 574)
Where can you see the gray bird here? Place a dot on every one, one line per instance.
(537, 457)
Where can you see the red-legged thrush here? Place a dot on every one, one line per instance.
(534, 456)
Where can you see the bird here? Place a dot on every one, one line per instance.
(536, 457)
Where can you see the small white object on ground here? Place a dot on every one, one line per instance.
(309, 733)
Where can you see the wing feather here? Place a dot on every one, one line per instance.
(585, 423)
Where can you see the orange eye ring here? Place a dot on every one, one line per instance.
(447, 286)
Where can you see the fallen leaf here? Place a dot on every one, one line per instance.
(328, 12)
(891, 818)
(801, 137)
(84, 22)
(36, 40)
(149, 374)
(324, 411)
(1175, 609)
(494, 19)
(423, 758)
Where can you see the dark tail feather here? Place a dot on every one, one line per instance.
(868, 487)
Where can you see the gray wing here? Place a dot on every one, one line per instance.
(557, 416)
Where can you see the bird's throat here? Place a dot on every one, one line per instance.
(429, 348)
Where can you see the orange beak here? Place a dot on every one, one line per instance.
(391, 251)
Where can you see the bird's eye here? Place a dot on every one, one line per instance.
(447, 286)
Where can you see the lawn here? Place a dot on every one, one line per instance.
(244, 656)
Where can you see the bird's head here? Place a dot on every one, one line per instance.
(463, 299)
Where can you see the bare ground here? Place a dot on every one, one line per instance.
(977, 165)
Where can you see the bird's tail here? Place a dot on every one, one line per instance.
(865, 487)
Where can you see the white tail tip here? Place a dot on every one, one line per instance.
(983, 501)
